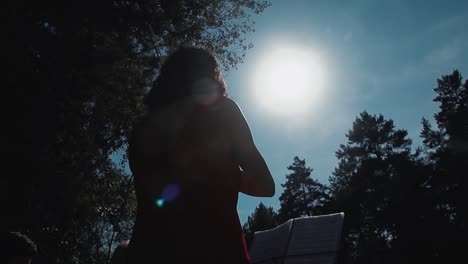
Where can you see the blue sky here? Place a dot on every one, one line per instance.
(383, 57)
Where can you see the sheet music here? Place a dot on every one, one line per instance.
(316, 235)
(271, 243)
(316, 259)
(269, 261)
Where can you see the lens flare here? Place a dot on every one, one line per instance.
(170, 192)
(160, 202)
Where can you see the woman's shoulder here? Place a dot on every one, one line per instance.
(228, 102)
(231, 107)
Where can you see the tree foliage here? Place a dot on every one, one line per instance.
(302, 195)
(371, 138)
(447, 154)
(402, 206)
(263, 218)
(77, 73)
(375, 160)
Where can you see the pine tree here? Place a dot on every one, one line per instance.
(302, 195)
(446, 147)
(372, 139)
(263, 218)
(375, 162)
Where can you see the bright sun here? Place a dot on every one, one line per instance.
(288, 80)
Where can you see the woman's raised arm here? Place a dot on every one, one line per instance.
(256, 178)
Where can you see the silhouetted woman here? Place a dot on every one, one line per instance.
(190, 156)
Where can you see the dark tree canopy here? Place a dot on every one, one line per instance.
(302, 195)
(371, 138)
(402, 206)
(369, 167)
(447, 155)
(452, 96)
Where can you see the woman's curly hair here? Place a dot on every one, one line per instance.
(180, 70)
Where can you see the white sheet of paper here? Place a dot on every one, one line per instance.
(312, 239)
(316, 234)
(271, 243)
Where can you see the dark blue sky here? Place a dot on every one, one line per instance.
(383, 57)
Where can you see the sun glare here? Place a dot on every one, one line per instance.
(288, 80)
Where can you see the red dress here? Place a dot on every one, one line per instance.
(194, 218)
